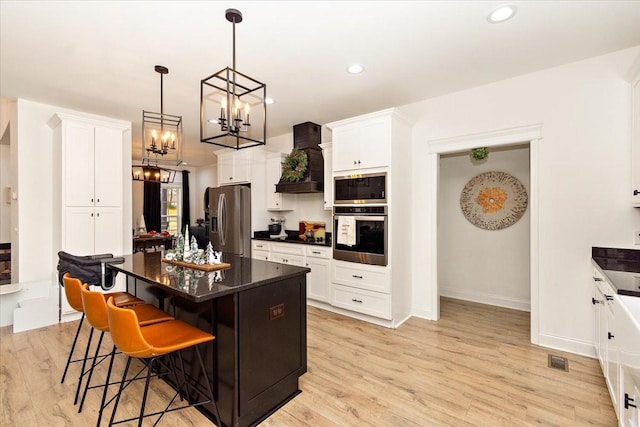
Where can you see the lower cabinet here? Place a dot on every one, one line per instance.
(318, 281)
(363, 301)
(362, 288)
(617, 345)
(317, 258)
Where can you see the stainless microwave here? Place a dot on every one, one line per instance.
(360, 189)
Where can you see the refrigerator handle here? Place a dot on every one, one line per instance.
(222, 219)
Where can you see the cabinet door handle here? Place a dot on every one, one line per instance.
(98, 200)
(597, 279)
(91, 213)
(358, 161)
(595, 301)
(629, 402)
(357, 277)
(610, 335)
(356, 300)
(92, 200)
(608, 297)
(635, 193)
(354, 162)
(315, 252)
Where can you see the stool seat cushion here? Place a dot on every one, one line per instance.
(122, 299)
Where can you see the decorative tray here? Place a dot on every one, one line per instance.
(203, 267)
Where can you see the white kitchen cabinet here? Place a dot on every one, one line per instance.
(93, 230)
(635, 141)
(277, 201)
(364, 276)
(617, 345)
(606, 338)
(327, 154)
(319, 279)
(361, 143)
(92, 159)
(288, 253)
(629, 359)
(234, 167)
(93, 155)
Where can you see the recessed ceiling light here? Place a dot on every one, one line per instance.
(501, 14)
(269, 101)
(355, 69)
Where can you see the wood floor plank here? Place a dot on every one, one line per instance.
(474, 367)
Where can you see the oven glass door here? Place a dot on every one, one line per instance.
(370, 245)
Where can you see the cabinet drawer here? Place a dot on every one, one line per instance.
(260, 245)
(362, 301)
(319, 251)
(288, 248)
(370, 278)
(263, 255)
(288, 259)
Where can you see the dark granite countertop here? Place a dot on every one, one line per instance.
(292, 237)
(198, 286)
(621, 268)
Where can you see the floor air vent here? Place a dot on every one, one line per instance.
(558, 362)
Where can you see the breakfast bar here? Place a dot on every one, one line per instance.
(257, 312)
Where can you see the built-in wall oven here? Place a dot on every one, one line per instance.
(360, 234)
(360, 189)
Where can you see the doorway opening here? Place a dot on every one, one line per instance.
(504, 138)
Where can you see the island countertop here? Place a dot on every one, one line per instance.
(196, 285)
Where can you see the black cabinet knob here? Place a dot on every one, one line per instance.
(610, 335)
(595, 301)
(608, 297)
(636, 192)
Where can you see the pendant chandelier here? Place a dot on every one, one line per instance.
(232, 105)
(152, 173)
(161, 133)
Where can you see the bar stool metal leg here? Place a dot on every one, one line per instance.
(73, 346)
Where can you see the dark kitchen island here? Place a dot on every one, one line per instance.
(257, 312)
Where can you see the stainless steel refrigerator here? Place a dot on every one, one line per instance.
(230, 219)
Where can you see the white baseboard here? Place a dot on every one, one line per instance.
(567, 344)
(497, 300)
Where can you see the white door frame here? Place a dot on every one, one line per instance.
(503, 137)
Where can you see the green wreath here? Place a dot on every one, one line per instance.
(294, 166)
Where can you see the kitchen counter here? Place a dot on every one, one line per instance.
(621, 268)
(292, 237)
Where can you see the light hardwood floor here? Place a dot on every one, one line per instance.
(473, 367)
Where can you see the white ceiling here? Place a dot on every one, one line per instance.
(99, 56)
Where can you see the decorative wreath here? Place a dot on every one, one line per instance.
(294, 166)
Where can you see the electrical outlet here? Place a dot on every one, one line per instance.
(636, 237)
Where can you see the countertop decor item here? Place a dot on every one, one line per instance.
(493, 200)
(294, 166)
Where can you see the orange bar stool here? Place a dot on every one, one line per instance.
(72, 292)
(150, 343)
(95, 308)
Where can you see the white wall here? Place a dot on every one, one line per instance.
(496, 262)
(584, 159)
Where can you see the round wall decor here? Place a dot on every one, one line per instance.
(493, 200)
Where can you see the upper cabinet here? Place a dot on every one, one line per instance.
(277, 201)
(635, 141)
(362, 142)
(93, 155)
(234, 167)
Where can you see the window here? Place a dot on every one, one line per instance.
(170, 208)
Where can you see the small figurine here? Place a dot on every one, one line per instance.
(186, 255)
(209, 254)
